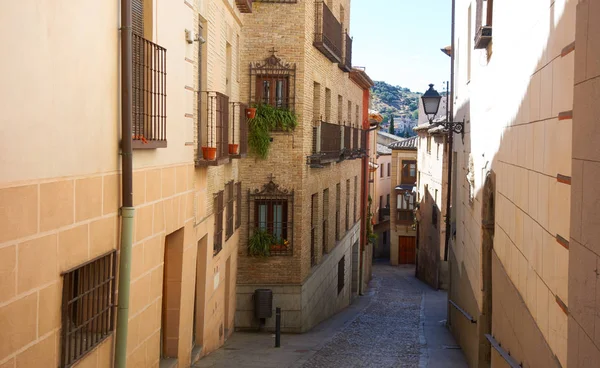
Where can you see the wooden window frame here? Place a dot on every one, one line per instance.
(218, 233)
(229, 229)
(238, 204)
(406, 177)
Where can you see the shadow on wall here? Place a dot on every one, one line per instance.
(530, 146)
(429, 241)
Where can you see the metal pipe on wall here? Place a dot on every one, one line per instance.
(127, 210)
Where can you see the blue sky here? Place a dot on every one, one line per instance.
(399, 41)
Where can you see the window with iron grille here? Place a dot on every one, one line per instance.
(274, 82)
(341, 274)
(218, 210)
(340, 109)
(325, 224)
(239, 130)
(434, 216)
(355, 198)
(149, 79)
(270, 210)
(230, 199)
(349, 113)
(314, 215)
(338, 193)
(483, 23)
(347, 204)
(238, 205)
(88, 301)
(347, 137)
(355, 142)
(328, 105)
(217, 124)
(330, 142)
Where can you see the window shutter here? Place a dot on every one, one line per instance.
(137, 17)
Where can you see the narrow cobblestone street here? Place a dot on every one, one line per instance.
(398, 323)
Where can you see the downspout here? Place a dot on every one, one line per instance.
(127, 210)
(448, 228)
(450, 142)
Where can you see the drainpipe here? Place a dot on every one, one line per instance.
(450, 106)
(127, 210)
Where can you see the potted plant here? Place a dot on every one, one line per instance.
(233, 148)
(250, 112)
(259, 244)
(209, 153)
(280, 245)
(267, 119)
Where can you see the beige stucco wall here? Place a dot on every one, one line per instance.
(222, 26)
(431, 188)
(584, 290)
(511, 98)
(60, 184)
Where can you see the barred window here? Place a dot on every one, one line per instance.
(230, 199)
(88, 303)
(218, 208)
(338, 192)
(314, 214)
(325, 220)
(238, 205)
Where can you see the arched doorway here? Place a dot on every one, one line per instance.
(487, 247)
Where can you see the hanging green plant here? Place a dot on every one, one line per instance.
(259, 244)
(267, 119)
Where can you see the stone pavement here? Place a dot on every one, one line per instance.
(399, 322)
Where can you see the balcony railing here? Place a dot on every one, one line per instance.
(327, 144)
(149, 94)
(328, 33)
(215, 130)
(239, 124)
(346, 64)
(384, 214)
(405, 217)
(245, 6)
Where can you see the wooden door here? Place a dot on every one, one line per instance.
(406, 249)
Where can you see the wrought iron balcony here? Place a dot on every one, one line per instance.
(149, 95)
(384, 214)
(245, 6)
(328, 33)
(346, 64)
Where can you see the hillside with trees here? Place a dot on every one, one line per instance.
(399, 102)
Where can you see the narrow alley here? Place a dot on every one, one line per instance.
(399, 322)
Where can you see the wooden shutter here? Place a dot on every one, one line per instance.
(137, 17)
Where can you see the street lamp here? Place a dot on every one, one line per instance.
(431, 101)
(431, 104)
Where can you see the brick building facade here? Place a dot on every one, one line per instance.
(312, 278)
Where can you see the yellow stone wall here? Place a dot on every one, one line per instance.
(515, 97)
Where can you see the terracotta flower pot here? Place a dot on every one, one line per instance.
(209, 153)
(251, 112)
(233, 149)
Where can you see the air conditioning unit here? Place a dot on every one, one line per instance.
(483, 37)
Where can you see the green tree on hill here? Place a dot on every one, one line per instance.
(392, 129)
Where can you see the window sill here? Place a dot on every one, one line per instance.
(217, 162)
(137, 144)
